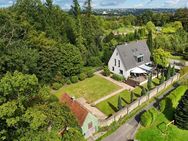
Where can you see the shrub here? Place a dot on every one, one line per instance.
(146, 119)
(94, 62)
(118, 77)
(74, 79)
(90, 74)
(56, 86)
(162, 105)
(154, 114)
(82, 76)
(106, 71)
(68, 81)
(183, 71)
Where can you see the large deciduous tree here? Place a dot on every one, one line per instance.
(160, 57)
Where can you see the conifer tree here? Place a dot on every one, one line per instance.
(181, 113)
(132, 96)
(162, 78)
(168, 72)
(150, 42)
(143, 92)
(119, 103)
(149, 83)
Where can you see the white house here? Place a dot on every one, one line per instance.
(130, 58)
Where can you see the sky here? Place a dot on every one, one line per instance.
(117, 3)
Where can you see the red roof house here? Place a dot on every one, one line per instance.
(87, 121)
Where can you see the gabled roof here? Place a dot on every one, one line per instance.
(77, 109)
(129, 52)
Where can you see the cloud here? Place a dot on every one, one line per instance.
(114, 3)
(172, 2)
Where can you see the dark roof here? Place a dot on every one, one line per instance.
(129, 52)
(77, 109)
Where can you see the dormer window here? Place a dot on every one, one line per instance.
(140, 59)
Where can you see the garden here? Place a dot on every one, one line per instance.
(110, 105)
(91, 89)
(158, 125)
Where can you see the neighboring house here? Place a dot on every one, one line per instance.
(130, 58)
(87, 121)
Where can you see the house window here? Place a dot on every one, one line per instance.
(115, 62)
(90, 125)
(118, 63)
(112, 68)
(116, 53)
(140, 59)
(121, 72)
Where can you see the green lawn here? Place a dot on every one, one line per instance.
(109, 106)
(91, 89)
(158, 131)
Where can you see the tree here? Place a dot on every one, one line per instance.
(168, 73)
(143, 92)
(150, 27)
(132, 96)
(149, 83)
(162, 78)
(160, 57)
(181, 113)
(119, 103)
(173, 71)
(150, 42)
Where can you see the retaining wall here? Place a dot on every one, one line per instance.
(126, 110)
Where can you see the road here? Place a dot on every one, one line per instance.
(127, 131)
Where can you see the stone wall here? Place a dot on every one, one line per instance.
(126, 110)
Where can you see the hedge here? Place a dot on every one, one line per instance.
(118, 77)
(106, 71)
(74, 79)
(90, 73)
(56, 86)
(82, 76)
(148, 117)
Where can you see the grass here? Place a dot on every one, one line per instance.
(114, 126)
(158, 131)
(109, 106)
(91, 89)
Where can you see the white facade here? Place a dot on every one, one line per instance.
(116, 66)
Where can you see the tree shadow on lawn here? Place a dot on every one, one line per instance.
(169, 110)
(113, 107)
(125, 101)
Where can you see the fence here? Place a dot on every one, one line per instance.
(126, 110)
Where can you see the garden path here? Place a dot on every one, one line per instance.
(121, 84)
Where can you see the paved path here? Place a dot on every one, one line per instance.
(93, 110)
(127, 131)
(121, 84)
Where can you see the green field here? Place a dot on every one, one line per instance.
(91, 89)
(158, 131)
(109, 106)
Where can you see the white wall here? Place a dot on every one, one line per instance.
(117, 69)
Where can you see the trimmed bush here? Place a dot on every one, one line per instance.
(118, 77)
(146, 119)
(90, 74)
(56, 86)
(106, 71)
(74, 79)
(82, 76)
(68, 81)
(162, 105)
(154, 114)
